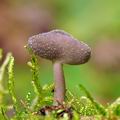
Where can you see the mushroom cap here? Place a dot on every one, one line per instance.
(60, 46)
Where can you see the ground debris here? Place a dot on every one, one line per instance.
(60, 110)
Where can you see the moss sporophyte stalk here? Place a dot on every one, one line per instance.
(59, 47)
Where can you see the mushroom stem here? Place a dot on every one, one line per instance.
(59, 93)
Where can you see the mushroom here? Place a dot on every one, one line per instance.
(61, 48)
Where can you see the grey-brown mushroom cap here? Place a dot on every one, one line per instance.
(60, 46)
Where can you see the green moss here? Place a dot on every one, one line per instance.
(83, 107)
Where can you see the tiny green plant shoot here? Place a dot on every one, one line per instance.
(41, 106)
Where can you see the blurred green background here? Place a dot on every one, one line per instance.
(96, 22)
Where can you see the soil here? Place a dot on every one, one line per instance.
(59, 109)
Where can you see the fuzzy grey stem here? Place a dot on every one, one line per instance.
(59, 93)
